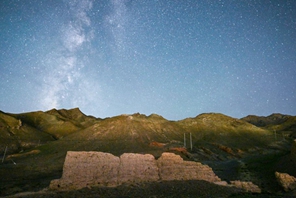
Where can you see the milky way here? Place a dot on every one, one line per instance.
(174, 58)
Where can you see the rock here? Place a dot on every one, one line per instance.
(247, 186)
(221, 183)
(173, 167)
(19, 124)
(136, 168)
(287, 181)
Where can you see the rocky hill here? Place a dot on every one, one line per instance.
(278, 123)
(17, 135)
(225, 130)
(262, 121)
(27, 130)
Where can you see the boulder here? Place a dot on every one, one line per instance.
(247, 186)
(287, 181)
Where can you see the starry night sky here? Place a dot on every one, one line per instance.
(174, 58)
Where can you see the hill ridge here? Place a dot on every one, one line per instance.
(139, 130)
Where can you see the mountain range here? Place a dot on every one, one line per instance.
(38, 141)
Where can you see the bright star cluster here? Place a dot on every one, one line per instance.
(174, 58)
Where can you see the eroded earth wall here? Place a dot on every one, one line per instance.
(135, 168)
(87, 169)
(173, 167)
(83, 169)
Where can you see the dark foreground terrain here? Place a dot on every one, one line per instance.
(173, 189)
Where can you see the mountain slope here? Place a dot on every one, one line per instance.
(222, 129)
(127, 133)
(154, 134)
(26, 130)
(73, 115)
(283, 124)
(17, 135)
(262, 121)
(58, 123)
(130, 133)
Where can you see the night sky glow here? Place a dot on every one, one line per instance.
(176, 58)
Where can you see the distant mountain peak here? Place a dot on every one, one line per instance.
(262, 121)
(76, 109)
(154, 115)
(51, 111)
(71, 113)
(212, 116)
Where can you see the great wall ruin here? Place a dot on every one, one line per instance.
(88, 169)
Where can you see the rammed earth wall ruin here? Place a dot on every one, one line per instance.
(83, 169)
(87, 169)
